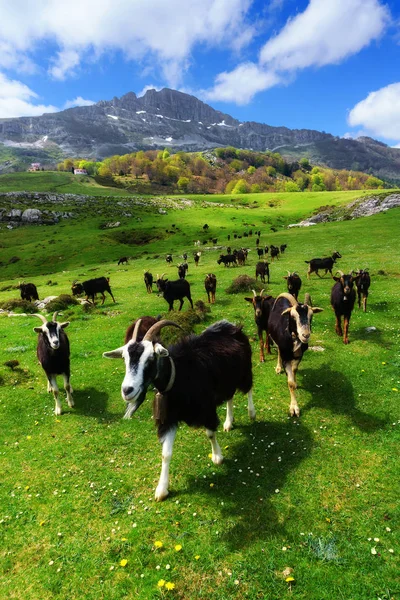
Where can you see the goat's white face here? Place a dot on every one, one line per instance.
(302, 314)
(140, 369)
(52, 331)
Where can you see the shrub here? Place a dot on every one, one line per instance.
(18, 305)
(61, 303)
(244, 284)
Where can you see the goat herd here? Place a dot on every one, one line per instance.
(201, 372)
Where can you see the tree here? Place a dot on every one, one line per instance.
(374, 183)
(305, 164)
(251, 170)
(241, 187)
(183, 183)
(291, 186)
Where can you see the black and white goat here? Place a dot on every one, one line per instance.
(54, 356)
(192, 377)
(262, 307)
(293, 283)
(289, 326)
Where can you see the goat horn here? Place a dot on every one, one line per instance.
(289, 297)
(154, 329)
(261, 293)
(254, 293)
(307, 299)
(136, 330)
(55, 316)
(289, 273)
(340, 273)
(41, 317)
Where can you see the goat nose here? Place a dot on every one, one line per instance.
(127, 391)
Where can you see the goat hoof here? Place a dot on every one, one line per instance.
(295, 412)
(227, 426)
(160, 494)
(217, 459)
(71, 403)
(278, 370)
(58, 411)
(252, 415)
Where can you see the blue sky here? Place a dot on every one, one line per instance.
(330, 65)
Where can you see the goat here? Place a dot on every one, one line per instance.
(184, 256)
(148, 281)
(210, 283)
(182, 269)
(293, 283)
(257, 241)
(262, 306)
(227, 259)
(144, 325)
(262, 270)
(28, 291)
(54, 356)
(196, 257)
(77, 288)
(174, 290)
(274, 251)
(241, 257)
(260, 252)
(289, 326)
(282, 248)
(99, 285)
(192, 378)
(343, 297)
(122, 260)
(363, 282)
(168, 258)
(316, 264)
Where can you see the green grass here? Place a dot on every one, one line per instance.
(76, 493)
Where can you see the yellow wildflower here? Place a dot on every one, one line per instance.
(158, 544)
(123, 562)
(178, 547)
(169, 585)
(161, 583)
(197, 556)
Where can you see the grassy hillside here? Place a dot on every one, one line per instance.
(313, 494)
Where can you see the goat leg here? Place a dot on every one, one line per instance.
(54, 388)
(217, 457)
(291, 370)
(338, 326)
(69, 390)
(167, 447)
(229, 415)
(346, 323)
(250, 405)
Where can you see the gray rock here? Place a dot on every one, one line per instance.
(31, 215)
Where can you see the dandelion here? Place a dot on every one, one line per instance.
(211, 485)
(178, 547)
(123, 562)
(197, 557)
(169, 585)
(124, 540)
(161, 583)
(210, 455)
(28, 437)
(158, 544)
(289, 579)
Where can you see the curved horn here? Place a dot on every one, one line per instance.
(55, 316)
(261, 293)
(154, 329)
(340, 273)
(307, 299)
(41, 317)
(289, 297)
(289, 273)
(254, 293)
(135, 330)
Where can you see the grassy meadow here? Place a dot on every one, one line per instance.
(315, 499)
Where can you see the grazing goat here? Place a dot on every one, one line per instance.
(53, 354)
(28, 291)
(262, 307)
(289, 326)
(144, 325)
(262, 270)
(91, 287)
(77, 289)
(316, 264)
(192, 378)
(363, 282)
(122, 260)
(210, 283)
(343, 297)
(293, 283)
(148, 281)
(174, 290)
(227, 259)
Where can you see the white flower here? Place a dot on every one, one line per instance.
(373, 551)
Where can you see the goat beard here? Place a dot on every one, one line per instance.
(132, 407)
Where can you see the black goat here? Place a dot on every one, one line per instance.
(262, 307)
(99, 285)
(182, 269)
(363, 282)
(343, 297)
(168, 258)
(77, 289)
(210, 283)
(283, 248)
(28, 291)
(227, 259)
(193, 378)
(316, 264)
(289, 326)
(293, 283)
(196, 257)
(262, 270)
(241, 256)
(53, 354)
(148, 281)
(122, 260)
(274, 252)
(174, 290)
(260, 252)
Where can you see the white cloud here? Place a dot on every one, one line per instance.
(241, 84)
(379, 112)
(154, 32)
(327, 32)
(78, 101)
(146, 89)
(16, 100)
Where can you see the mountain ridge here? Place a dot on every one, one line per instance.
(179, 121)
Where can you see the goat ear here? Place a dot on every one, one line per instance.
(248, 299)
(160, 350)
(336, 278)
(37, 329)
(285, 277)
(315, 309)
(64, 325)
(286, 311)
(113, 353)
